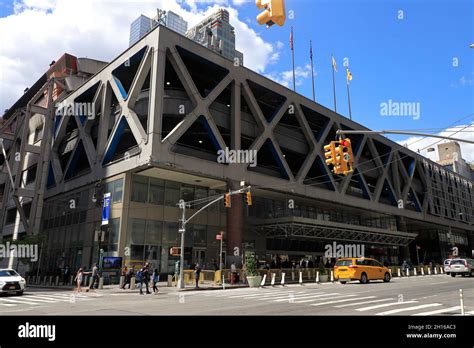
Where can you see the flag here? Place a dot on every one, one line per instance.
(310, 50)
(348, 74)
(334, 66)
(291, 38)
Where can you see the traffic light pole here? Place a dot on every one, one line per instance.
(347, 132)
(182, 205)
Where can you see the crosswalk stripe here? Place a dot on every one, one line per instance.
(393, 311)
(439, 311)
(313, 298)
(8, 304)
(384, 305)
(51, 299)
(16, 301)
(338, 301)
(364, 302)
(272, 297)
(260, 294)
(305, 296)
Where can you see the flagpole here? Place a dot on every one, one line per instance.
(293, 59)
(334, 86)
(348, 97)
(312, 72)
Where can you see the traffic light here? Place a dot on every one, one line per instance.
(330, 153)
(346, 157)
(227, 203)
(248, 198)
(274, 12)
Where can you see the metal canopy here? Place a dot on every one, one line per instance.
(298, 227)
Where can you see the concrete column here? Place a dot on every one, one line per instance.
(234, 225)
(402, 227)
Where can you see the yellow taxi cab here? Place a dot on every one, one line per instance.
(362, 269)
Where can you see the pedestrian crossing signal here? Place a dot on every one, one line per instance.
(174, 251)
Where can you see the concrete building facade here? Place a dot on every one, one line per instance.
(163, 110)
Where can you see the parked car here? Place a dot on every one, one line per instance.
(362, 269)
(461, 266)
(11, 282)
(446, 265)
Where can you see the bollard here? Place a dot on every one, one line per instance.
(422, 271)
(50, 280)
(56, 282)
(399, 273)
(122, 280)
(408, 272)
(273, 280)
(262, 284)
(132, 283)
(429, 271)
(293, 275)
(71, 279)
(91, 281)
(283, 279)
(170, 280)
(461, 301)
(414, 271)
(332, 276)
(301, 278)
(436, 270)
(317, 276)
(441, 269)
(101, 282)
(390, 271)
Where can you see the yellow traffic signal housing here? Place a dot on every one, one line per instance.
(345, 156)
(274, 12)
(248, 198)
(227, 202)
(330, 153)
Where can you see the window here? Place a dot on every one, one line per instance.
(187, 193)
(11, 216)
(31, 174)
(139, 188)
(157, 191)
(117, 191)
(172, 193)
(38, 134)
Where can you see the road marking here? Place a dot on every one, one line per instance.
(259, 293)
(393, 311)
(364, 302)
(8, 304)
(384, 305)
(16, 301)
(297, 299)
(337, 301)
(267, 297)
(439, 311)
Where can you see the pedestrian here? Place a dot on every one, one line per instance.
(177, 270)
(405, 267)
(78, 279)
(233, 273)
(155, 279)
(128, 278)
(145, 278)
(95, 277)
(66, 274)
(197, 272)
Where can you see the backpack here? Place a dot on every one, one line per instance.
(138, 275)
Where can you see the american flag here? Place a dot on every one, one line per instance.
(291, 38)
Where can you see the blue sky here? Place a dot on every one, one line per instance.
(423, 58)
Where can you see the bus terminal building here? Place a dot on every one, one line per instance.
(153, 125)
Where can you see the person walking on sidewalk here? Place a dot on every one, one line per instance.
(155, 280)
(95, 277)
(197, 272)
(78, 280)
(145, 278)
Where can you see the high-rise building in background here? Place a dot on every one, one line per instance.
(143, 24)
(216, 33)
(450, 157)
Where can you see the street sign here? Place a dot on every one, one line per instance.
(218, 236)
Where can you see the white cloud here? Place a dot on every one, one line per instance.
(422, 143)
(40, 31)
(285, 78)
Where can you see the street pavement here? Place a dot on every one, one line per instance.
(422, 295)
